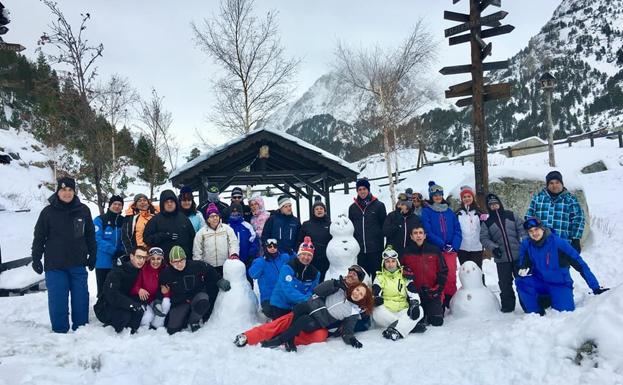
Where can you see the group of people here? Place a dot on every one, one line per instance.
(162, 266)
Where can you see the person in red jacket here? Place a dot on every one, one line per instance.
(147, 289)
(425, 264)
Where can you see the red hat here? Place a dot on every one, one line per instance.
(466, 190)
(307, 246)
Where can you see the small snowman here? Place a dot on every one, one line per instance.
(238, 306)
(342, 249)
(473, 299)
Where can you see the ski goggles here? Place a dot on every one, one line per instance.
(531, 222)
(436, 190)
(389, 254)
(213, 189)
(271, 242)
(156, 251)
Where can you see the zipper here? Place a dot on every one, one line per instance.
(547, 259)
(442, 224)
(404, 238)
(509, 255)
(363, 228)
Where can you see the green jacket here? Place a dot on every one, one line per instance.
(393, 288)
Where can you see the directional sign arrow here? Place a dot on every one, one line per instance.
(492, 92)
(467, 25)
(491, 66)
(486, 3)
(465, 89)
(484, 34)
(464, 18)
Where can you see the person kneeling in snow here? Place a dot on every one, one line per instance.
(146, 288)
(397, 303)
(117, 306)
(192, 287)
(544, 270)
(266, 270)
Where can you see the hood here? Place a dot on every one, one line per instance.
(493, 196)
(385, 271)
(259, 201)
(166, 195)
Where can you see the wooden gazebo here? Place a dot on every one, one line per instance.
(267, 157)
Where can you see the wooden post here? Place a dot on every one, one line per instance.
(462, 161)
(346, 188)
(590, 136)
(510, 152)
(310, 200)
(327, 198)
(620, 139)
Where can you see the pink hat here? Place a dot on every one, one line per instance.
(466, 190)
(307, 246)
(212, 209)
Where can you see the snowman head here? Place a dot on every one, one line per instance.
(342, 226)
(234, 271)
(470, 275)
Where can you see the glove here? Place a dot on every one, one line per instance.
(525, 272)
(136, 307)
(484, 217)
(414, 309)
(354, 342)
(497, 252)
(223, 284)
(575, 243)
(37, 266)
(91, 263)
(600, 290)
(157, 306)
(378, 301)
(448, 248)
(339, 283)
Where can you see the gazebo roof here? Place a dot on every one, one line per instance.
(291, 160)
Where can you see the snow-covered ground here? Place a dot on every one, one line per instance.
(504, 349)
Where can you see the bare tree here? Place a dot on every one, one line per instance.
(391, 80)
(257, 73)
(155, 123)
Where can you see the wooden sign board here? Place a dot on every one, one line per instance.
(467, 25)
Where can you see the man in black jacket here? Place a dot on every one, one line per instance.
(65, 236)
(192, 287)
(368, 215)
(116, 306)
(170, 227)
(399, 223)
(317, 228)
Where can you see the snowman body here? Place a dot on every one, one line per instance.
(342, 249)
(238, 306)
(473, 299)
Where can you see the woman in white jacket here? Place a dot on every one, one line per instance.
(216, 241)
(470, 217)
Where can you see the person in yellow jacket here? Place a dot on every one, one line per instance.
(397, 303)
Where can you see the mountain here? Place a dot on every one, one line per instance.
(581, 45)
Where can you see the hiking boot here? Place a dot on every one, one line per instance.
(272, 343)
(240, 340)
(195, 327)
(290, 347)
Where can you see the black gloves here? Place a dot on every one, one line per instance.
(91, 263)
(136, 307)
(37, 266)
(378, 301)
(223, 284)
(339, 283)
(414, 309)
(354, 342)
(575, 243)
(600, 290)
(497, 253)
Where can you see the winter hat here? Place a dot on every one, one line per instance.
(236, 192)
(212, 209)
(176, 254)
(491, 199)
(237, 207)
(137, 197)
(213, 193)
(363, 182)
(186, 191)
(66, 182)
(115, 198)
(283, 200)
(416, 194)
(553, 175)
(466, 190)
(361, 274)
(307, 246)
(433, 189)
(156, 251)
(405, 199)
(317, 203)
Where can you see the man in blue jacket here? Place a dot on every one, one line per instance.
(296, 281)
(108, 231)
(266, 270)
(282, 226)
(544, 270)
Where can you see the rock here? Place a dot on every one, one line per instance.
(598, 166)
(587, 351)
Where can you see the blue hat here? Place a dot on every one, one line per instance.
(363, 182)
(434, 189)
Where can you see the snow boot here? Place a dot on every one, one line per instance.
(240, 340)
(392, 334)
(419, 328)
(290, 347)
(194, 327)
(272, 343)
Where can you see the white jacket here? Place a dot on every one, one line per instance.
(470, 230)
(215, 246)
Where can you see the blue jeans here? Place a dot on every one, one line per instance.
(530, 288)
(60, 284)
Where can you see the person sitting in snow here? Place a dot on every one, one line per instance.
(544, 270)
(117, 305)
(247, 239)
(188, 207)
(147, 290)
(396, 301)
(424, 263)
(266, 270)
(192, 287)
(297, 279)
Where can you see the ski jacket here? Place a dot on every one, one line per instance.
(397, 229)
(160, 230)
(294, 285)
(266, 270)
(148, 279)
(442, 226)
(393, 287)
(469, 221)
(318, 230)
(117, 292)
(134, 227)
(259, 220)
(108, 232)
(425, 265)
(247, 240)
(561, 213)
(64, 234)
(502, 230)
(196, 277)
(214, 246)
(550, 258)
(283, 228)
(368, 220)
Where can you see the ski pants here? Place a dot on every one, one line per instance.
(61, 283)
(398, 320)
(531, 287)
(186, 313)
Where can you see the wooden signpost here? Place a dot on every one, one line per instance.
(478, 92)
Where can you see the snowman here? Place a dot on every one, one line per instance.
(473, 299)
(238, 306)
(342, 249)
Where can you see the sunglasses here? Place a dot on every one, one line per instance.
(236, 197)
(531, 222)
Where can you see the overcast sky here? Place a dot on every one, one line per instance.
(151, 43)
